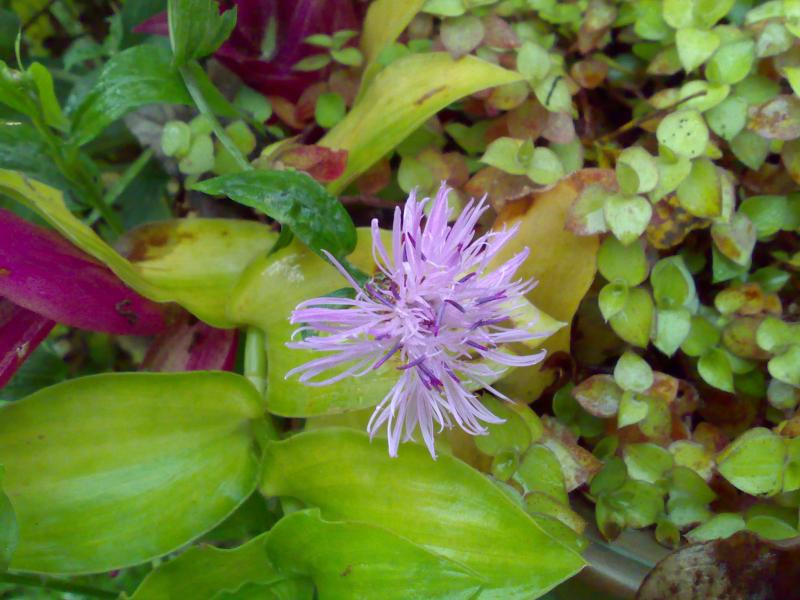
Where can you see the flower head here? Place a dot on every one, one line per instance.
(436, 309)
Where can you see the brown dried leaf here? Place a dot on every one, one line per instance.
(323, 164)
(578, 464)
(778, 119)
(741, 567)
(670, 224)
(500, 187)
(498, 33)
(528, 120)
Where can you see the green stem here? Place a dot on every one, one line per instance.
(202, 105)
(255, 358)
(55, 584)
(129, 175)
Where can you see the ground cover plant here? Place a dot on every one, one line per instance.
(377, 299)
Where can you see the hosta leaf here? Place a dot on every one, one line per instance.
(206, 573)
(111, 452)
(357, 560)
(9, 529)
(450, 509)
(400, 99)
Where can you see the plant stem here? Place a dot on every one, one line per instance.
(255, 358)
(202, 105)
(55, 584)
(648, 117)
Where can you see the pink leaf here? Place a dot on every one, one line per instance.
(21, 331)
(44, 273)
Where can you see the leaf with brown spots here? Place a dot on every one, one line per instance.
(670, 224)
(741, 567)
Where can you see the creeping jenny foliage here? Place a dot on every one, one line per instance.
(202, 162)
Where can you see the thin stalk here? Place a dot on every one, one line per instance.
(55, 584)
(129, 175)
(202, 105)
(255, 358)
(648, 117)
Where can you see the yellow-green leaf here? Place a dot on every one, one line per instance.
(113, 470)
(400, 99)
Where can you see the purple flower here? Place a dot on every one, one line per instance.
(436, 310)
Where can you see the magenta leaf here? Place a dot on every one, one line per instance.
(191, 345)
(21, 331)
(44, 273)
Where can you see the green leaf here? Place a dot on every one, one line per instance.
(771, 528)
(753, 462)
(314, 62)
(700, 193)
(176, 138)
(350, 57)
(627, 216)
(695, 46)
(329, 110)
(634, 322)
(533, 61)
(9, 529)
(612, 299)
(260, 301)
(357, 560)
(504, 153)
(296, 201)
(51, 109)
(448, 508)
(647, 462)
(719, 526)
(385, 21)
(715, 369)
(511, 435)
(702, 337)
(90, 460)
(735, 239)
(163, 265)
(632, 373)
(135, 77)
(672, 328)
(750, 148)
(673, 285)
(205, 572)
(684, 132)
(540, 471)
(197, 29)
(632, 410)
(769, 214)
(637, 171)
(23, 149)
(545, 167)
(728, 118)
(623, 263)
(731, 62)
(400, 99)
(786, 366)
